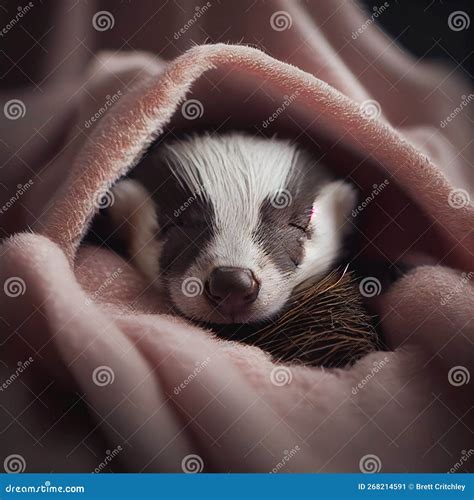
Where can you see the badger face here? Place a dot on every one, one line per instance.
(230, 225)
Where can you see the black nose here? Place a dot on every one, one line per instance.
(232, 288)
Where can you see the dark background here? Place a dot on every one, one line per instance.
(420, 26)
(428, 34)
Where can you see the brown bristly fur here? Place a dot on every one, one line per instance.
(325, 324)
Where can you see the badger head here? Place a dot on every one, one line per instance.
(229, 225)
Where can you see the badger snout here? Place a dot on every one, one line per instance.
(231, 289)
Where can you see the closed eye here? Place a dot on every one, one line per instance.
(302, 228)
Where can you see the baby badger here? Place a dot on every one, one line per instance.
(229, 225)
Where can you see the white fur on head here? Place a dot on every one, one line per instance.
(235, 172)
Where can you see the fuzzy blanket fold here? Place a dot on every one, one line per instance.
(111, 370)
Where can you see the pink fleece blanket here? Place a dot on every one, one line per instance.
(95, 375)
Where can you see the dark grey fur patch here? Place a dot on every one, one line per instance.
(185, 220)
(283, 231)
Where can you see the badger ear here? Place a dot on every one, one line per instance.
(134, 215)
(329, 223)
(334, 203)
